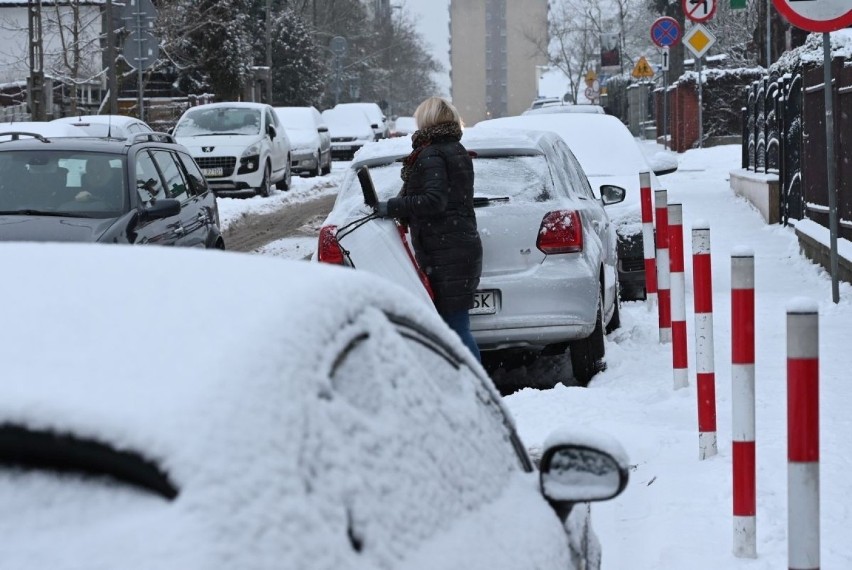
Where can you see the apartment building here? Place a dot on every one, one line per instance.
(493, 55)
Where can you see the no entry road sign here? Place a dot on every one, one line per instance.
(665, 32)
(816, 15)
(698, 10)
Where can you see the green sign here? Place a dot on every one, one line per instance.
(738, 4)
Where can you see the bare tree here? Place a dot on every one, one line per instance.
(75, 59)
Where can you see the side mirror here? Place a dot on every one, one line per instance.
(322, 129)
(612, 194)
(164, 208)
(374, 126)
(663, 163)
(270, 130)
(579, 473)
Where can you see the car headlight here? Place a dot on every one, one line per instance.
(252, 150)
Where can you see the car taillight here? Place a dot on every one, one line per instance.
(560, 232)
(329, 250)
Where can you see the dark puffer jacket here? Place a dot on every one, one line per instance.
(437, 201)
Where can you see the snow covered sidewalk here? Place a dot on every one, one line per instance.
(677, 511)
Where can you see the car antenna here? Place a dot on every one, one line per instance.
(109, 126)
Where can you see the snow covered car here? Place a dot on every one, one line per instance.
(609, 155)
(240, 147)
(549, 251)
(561, 107)
(377, 117)
(310, 142)
(48, 129)
(350, 129)
(114, 126)
(372, 439)
(403, 126)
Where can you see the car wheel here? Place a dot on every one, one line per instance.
(319, 171)
(284, 183)
(265, 188)
(327, 168)
(587, 355)
(615, 320)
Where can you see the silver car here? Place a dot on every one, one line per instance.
(549, 250)
(310, 143)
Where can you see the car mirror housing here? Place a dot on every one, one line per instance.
(164, 208)
(322, 129)
(582, 469)
(270, 130)
(663, 163)
(612, 194)
(374, 126)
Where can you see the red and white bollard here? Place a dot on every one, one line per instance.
(704, 350)
(663, 276)
(648, 240)
(803, 434)
(680, 359)
(742, 381)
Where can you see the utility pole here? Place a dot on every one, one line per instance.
(36, 84)
(112, 82)
(269, 52)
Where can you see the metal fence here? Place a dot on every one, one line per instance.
(784, 133)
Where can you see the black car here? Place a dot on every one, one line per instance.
(145, 189)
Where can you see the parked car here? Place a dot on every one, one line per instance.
(373, 441)
(115, 126)
(560, 107)
(609, 155)
(541, 101)
(403, 126)
(145, 190)
(549, 251)
(239, 146)
(350, 129)
(377, 117)
(310, 142)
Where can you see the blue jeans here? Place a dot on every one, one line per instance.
(459, 321)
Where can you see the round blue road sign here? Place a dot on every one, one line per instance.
(665, 32)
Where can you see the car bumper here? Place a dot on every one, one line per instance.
(552, 303)
(229, 179)
(345, 151)
(303, 160)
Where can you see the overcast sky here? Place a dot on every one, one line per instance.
(432, 18)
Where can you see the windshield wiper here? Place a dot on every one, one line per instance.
(480, 201)
(214, 134)
(42, 213)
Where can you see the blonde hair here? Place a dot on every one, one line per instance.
(435, 110)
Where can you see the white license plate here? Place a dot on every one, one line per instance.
(485, 302)
(343, 148)
(213, 171)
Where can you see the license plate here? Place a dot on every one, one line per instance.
(485, 302)
(343, 148)
(219, 171)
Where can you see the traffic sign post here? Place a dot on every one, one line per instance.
(699, 40)
(824, 16)
(665, 66)
(665, 32)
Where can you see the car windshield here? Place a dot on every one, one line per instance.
(296, 119)
(521, 178)
(219, 121)
(62, 183)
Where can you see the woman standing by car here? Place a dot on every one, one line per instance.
(436, 201)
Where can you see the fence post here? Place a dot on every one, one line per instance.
(704, 350)
(661, 219)
(803, 434)
(648, 240)
(742, 380)
(744, 134)
(680, 357)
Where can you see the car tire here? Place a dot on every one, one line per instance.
(265, 188)
(615, 320)
(287, 181)
(588, 354)
(319, 168)
(327, 168)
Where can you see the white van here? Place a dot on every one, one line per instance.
(240, 147)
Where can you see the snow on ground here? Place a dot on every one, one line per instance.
(303, 190)
(291, 248)
(677, 511)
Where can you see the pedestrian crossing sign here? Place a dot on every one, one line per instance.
(642, 69)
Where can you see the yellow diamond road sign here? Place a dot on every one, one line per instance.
(642, 69)
(698, 39)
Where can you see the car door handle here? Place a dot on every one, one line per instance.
(178, 230)
(202, 216)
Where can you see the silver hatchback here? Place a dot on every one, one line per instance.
(549, 250)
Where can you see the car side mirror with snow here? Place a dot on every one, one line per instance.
(374, 126)
(270, 130)
(663, 163)
(612, 194)
(322, 129)
(581, 467)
